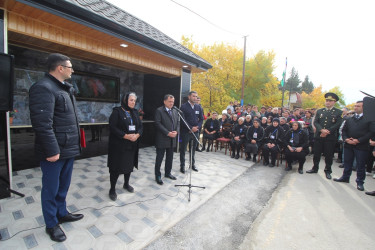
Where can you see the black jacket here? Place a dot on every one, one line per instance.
(358, 129)
(297, 138)
(215, 125)
(193, 117)
(239, 130)
(54, 119)
(163, 124)
(274, 135)
(259, 134)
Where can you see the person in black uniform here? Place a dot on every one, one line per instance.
(297, 143)
(125, 129)
(254, 137)
(210, 131)
(356, 134)
(238, 137)
(327, 121)
(167, 125)
(273, 142)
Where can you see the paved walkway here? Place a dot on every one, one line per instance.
(132, 222)
(310, 212)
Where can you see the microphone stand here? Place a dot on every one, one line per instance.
(190, 155)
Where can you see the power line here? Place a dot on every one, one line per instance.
(213, 24)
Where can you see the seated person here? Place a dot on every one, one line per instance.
(264, 122)
(269, 120)
(273, 142)
(248, 122)
(211, 131)
(238, 137)
(254, 137)
(284, 124)
(234, 120)
(224, 123)
(297, 144)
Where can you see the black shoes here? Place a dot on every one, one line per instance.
(232, 156)
(237, 156)
(195, 169)
(360, 187)
(112, 195)
(341, 166)
(300, 171)
(56, 233)
(288, 168)
(266, 163)
(248, 158)
(70, 218)
(328, 176)
(272, 165)
(129, 188)
(170, 176)
(341, 179)
(182, 170)
(159, 180)
(372, 193)
(311, 171)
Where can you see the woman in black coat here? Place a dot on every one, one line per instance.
(297, 146)
(238, 137)
(125, 130)
(254, 137)
(210, 131)
(273, 142)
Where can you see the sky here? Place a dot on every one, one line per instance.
(333, 42)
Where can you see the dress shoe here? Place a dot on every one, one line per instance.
(56, 233)
(360, 187)
(182, 170)
(70, 217)
(195, 169)
(198, 150)
(341, 180)
(341, 166)
(248, 158)
(204, 148)
(328, 176)
(288, 168)
(266, 163)
(232, 156)
(300, 171)
(208, 150)
(311, 171)
(271, 165)
(129, 188)
(372, 193)
(112, 195)
(237, 156)
(170, 176)
(159, 180)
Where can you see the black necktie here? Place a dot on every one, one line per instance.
(170, 114)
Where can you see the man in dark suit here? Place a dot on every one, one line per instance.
(356, 134)
(194, 119)
(167, 125)
(327, 121)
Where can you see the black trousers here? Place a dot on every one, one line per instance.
(299, 156)
(266, 152)
(159, 159)
(321, 145)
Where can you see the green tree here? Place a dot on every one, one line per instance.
(307, 86)
(338, 92)
(293, 82)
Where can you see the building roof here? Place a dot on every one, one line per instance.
(108, 18)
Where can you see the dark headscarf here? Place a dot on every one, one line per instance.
(276, 120)
(257, 120)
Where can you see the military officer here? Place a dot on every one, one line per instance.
(327, 121)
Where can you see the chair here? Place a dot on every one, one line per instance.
(223, 140)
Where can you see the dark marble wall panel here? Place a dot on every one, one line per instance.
(30, 66)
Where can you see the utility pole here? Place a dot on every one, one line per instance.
(243, 71)
(283, 82)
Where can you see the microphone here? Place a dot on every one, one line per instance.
(179, 110)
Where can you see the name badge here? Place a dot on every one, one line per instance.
(197, 112)
(240, 130)
(212, 127)
(272, 137)
(291, 141)
(255, 135)
(131, 127)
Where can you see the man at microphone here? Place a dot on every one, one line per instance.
(194, 119)
(167, 125)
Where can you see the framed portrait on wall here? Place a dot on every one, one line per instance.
(93, 87)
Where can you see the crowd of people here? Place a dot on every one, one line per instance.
(294, 133)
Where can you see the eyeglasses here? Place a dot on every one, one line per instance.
(70, 67)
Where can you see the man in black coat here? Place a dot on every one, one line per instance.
(57, 140)
(356, 134)
(194, 119)
(167, 125)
